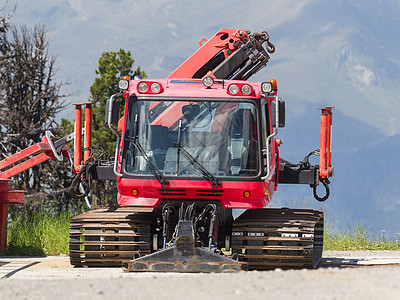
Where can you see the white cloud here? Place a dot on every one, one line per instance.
(171, 25)
(78, 7)
(365, 75)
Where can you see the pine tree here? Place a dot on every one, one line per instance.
(112, 66)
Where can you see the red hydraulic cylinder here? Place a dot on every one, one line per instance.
(323, 140)
(88, 132)
(325, 165)
(329, 154)
(78, 138)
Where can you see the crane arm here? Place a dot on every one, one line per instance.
(229, 54)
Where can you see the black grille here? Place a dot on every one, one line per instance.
(209, 193)
(173, 192)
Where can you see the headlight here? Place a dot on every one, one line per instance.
(246, 89)
(266, 87)
(233, 89)
(143, 87)
(123, 84)
(208, 81)
(155, 87)
(150, 87)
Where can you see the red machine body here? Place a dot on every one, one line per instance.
(252, 192)
(190, 148)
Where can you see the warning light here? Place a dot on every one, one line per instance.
(135, 192)
(274, 85)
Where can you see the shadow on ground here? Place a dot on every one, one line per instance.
(22, 251)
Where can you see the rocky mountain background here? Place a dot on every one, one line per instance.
(339, 53)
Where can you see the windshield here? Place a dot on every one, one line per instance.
(220, 137)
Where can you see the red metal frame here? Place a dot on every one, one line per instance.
(7, 197)
(38, 148)
(40, 152)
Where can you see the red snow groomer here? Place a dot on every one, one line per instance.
(190, 148)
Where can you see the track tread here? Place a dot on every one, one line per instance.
(278, 238)
(109, 236)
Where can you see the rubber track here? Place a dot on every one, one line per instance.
(109, 236)
(279, 238)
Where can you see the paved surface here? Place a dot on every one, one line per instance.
(58, 267)
(342, 275)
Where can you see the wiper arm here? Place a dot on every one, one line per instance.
(194, 162)
(157, 173)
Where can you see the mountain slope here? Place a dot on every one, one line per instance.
(336, 52)
(340, 53)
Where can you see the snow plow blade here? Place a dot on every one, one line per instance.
(184, 257)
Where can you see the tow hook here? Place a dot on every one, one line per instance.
(325, 182)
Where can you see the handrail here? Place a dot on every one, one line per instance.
(268, 148)
(109, 120)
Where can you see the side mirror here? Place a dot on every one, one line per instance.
(114, 111)
(281, 113)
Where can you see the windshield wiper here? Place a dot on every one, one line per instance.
(206, 174)
(157, 173)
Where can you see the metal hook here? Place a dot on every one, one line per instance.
(325, 182)
(268, 45)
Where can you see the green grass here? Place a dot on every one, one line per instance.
(40, 235)
(47, 234)
(357, 239)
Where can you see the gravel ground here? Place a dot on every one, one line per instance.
(54, 278)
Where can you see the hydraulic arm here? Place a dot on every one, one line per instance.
(230, 54)
(227, 53)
